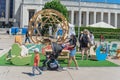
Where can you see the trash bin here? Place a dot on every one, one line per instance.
(24, 31)
(14, 30)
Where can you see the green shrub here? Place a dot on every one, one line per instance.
(107, 32)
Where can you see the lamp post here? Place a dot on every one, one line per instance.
(79, 19)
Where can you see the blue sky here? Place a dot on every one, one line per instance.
(108, 1)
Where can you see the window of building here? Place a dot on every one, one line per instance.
(82, 16)
(11, 9)
(2, 8)
(31, 13)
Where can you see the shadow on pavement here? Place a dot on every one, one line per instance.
(28, 73)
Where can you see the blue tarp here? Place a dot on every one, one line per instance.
(24, 31)
(60, 32)
(14, 30)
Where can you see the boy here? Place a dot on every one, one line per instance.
(36, 61)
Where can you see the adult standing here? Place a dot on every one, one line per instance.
(27, 37)
(92, 44)
(72, 48)
(92, 41)
(102, 39)
(85, 38)
(81, 33)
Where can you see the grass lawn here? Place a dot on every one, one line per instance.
(63, 63)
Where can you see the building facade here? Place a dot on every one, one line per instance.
(81, 13)
(6, 13)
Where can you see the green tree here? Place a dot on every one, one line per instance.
(56, 5)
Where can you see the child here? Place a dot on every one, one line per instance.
(36, 61)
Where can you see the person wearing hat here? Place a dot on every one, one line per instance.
(36, 62)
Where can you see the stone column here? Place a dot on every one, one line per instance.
(21, 16)
(72, 17)
(102, 16)
(109, 18)
(7, 11)
(116, 20)
(94, 17)
(80, 13)
(87, 18)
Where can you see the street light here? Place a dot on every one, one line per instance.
(79, 19)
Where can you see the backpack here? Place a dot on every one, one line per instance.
(85, 39)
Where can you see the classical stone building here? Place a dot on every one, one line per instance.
(81, 13)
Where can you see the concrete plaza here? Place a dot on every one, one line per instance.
(84, 73)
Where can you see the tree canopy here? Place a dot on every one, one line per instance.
(56, 5)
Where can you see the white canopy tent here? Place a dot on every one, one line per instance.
(102, 25)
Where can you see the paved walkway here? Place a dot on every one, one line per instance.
(84, 73)
(6, 41)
